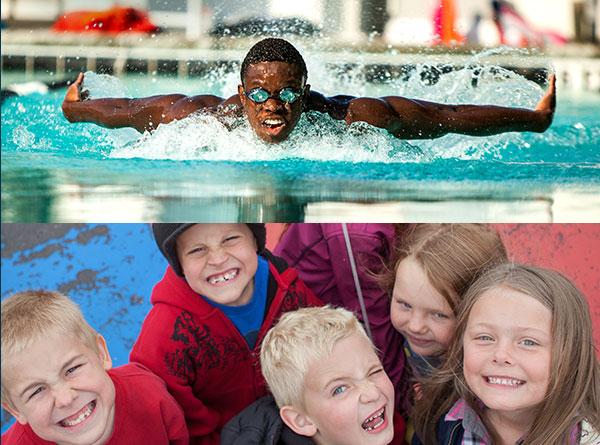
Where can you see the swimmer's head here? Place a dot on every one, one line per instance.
(273, 89)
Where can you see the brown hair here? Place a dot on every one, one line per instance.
(573, 390)
(452, 255)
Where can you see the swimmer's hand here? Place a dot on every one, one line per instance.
(74, 93)
(547, 105)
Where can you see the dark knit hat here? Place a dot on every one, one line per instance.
(165, 235)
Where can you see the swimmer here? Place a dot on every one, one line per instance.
(273, 94)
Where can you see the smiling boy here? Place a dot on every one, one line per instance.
(58, 383)
(273, 94)
(328, 385)
(220, 294)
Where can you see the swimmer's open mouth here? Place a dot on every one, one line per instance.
(374, 421)
(273, 122)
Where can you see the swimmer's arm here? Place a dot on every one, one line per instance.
(418, 119)
(143, 114)
(335, 106)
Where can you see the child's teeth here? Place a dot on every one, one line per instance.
(80, 418)
(504, 381)
(225, 277)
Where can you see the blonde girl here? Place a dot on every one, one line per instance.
(522, 368)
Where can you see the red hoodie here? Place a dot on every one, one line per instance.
(205, 361)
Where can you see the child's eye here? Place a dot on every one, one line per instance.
(230, 239)
(484, 338)
(404, 305)
(37, 391)
(441, 315)
(197, 250)
(376, 371)
(339, 390)
(73, 369)
(529, 342)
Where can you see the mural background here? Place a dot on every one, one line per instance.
(109, 269)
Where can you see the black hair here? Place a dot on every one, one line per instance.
(273, 50)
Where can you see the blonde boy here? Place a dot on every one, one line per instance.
(327, 381)
(58, 383)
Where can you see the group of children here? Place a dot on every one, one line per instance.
(237, 349)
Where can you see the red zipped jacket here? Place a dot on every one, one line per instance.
(206, 363)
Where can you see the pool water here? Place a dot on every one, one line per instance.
(54, 171)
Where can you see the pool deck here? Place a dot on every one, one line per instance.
(577, 66)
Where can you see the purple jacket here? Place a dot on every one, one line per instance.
(319, 253)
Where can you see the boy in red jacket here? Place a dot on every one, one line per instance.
(220, 295)
(58, 383)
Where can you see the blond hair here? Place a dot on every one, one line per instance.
(573, 389)
(301, 338)
(451, 255)
(31, 315)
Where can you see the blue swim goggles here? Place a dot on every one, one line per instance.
(288, 95)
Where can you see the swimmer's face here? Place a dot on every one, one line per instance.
(274, 119)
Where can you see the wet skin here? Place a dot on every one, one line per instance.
(401, 117)
(273, 120)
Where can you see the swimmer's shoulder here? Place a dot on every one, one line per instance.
(186, 105)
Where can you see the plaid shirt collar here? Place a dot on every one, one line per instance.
(475, 431)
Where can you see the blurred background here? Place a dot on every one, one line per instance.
(395, 22)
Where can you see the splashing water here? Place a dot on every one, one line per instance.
(319, 137)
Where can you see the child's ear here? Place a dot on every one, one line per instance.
(103, 351)
(298, 422)
(16, 414)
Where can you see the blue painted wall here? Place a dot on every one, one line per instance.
(108, 269)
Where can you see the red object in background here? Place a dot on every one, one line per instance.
(571, 249)
(444, 23)
(113, 20)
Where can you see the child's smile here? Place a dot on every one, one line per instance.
(67, 397)
(80, 416)
(224, 277)
(507, 350)
(219, 261)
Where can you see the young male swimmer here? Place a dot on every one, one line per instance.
(273, 94)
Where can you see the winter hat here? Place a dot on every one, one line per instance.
(165, 235)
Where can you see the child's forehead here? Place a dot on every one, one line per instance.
(208, 231)
(509, 306)
(350, 356)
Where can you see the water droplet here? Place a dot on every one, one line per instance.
(23, 137)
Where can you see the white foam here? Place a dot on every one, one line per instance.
(318, 137)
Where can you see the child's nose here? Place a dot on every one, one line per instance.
(216, 256)
(64, 395)
(416, 323)
(503, 353)
(369, 392)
